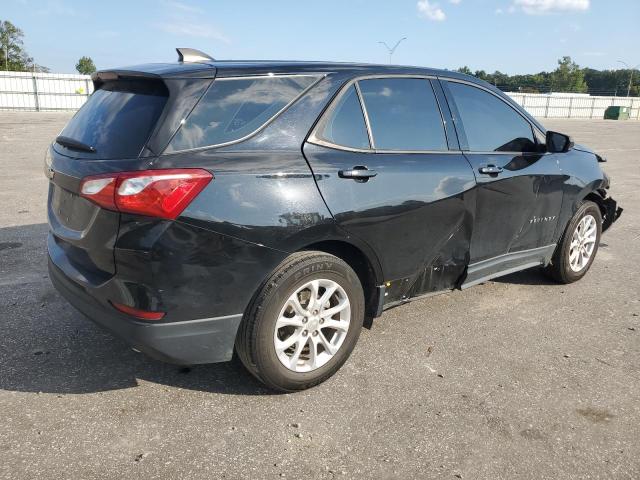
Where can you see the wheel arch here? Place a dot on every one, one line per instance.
(367, 268)
(593, 191)
(596, 197)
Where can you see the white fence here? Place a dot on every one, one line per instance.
(573, 105)
(43, 91)
(47, 91)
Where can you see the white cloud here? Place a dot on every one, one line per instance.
(174, 4)
(430, 11)
(55, 7)
(455, 2)
(192, 29)
(537, 7)
(185, 20)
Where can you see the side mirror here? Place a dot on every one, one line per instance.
(558, 142)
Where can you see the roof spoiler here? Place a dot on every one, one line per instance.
(191, 55)
(101, 77)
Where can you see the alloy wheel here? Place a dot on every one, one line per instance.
(312, 325)
(583, 243)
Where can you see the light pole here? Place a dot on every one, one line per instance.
(630, 76)
(391, 50)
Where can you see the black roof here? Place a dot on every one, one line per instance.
(229, 68)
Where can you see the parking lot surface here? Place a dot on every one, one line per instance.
(515, 378)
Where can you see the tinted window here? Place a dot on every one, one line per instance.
(403, 114)
(232, 109)
(118, 118)
(489, 123)
(344, 125)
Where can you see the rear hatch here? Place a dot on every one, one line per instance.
(113, 132)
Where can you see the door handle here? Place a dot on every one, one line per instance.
(490, 169)
(358, 173)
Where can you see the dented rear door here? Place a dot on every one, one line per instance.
(415, 210)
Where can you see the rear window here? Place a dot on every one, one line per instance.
(404, 114)
(234, 108)
(118, 118)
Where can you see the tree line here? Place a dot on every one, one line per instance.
(567, 77)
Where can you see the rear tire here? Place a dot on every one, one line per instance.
(578, 246)
(287, 337)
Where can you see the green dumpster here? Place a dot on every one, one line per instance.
(616, 113)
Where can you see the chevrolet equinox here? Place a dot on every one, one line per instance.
(267, 208)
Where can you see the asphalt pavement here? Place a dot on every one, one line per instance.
(515, 378)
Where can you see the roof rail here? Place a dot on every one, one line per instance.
(191, 55)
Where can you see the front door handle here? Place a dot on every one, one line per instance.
(358, 173)
(490, 170)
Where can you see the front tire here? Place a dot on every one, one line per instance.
(578, 247)
(303, 323)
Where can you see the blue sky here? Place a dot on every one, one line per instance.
(513, 36)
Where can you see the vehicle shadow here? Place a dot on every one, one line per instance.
(47, 346)
(532, 276)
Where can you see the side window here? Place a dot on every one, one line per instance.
(232, 109)
(403, 114)
(344, 124)
(489, 123)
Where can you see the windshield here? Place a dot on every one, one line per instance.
(117, 119)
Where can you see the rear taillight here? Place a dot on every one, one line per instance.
(155, 193)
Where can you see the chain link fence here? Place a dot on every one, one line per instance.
(47, 92)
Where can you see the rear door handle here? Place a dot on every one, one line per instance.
(490, 170)
(358, 172)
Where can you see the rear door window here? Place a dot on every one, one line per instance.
(344, 125)
(403, 114)
(118, 118)
(489, 123)
(235, 108)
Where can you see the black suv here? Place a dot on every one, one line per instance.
(270, 208)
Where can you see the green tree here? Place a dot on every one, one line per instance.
(609, 82)
(85, 66)
(568, 77)
(482, 75)
(500, 79)
(13, 55)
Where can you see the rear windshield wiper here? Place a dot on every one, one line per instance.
(74, 144)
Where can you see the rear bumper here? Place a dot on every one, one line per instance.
(206, 340)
